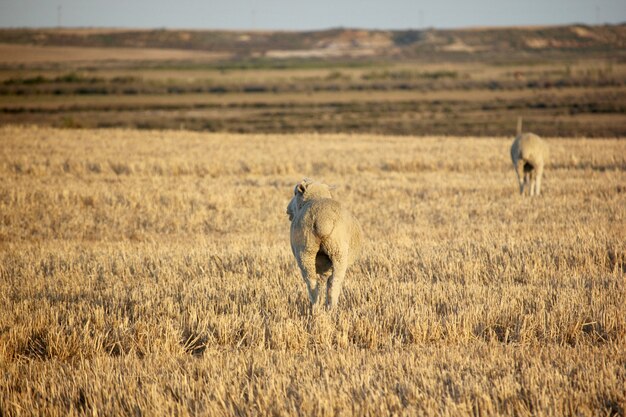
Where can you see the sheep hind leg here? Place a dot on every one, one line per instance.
(335, 282)
(313, 289)
(521, 176)
(309, 274)
(538, 179)
(533, 183)
(527, 182)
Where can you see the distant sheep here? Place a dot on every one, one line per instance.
(325, 239)
(529, 154)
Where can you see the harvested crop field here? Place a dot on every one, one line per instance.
(149, 273)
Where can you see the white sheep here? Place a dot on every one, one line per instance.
(325, 239)
(529, 154)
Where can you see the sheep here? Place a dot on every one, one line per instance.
(529, 154)
(325, 239)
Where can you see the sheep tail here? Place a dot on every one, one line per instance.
(324, 227)
(519, 126)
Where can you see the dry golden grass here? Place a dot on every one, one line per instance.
(149, 273)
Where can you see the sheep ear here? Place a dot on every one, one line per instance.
(302, 186)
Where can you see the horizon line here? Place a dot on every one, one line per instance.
(196, 29)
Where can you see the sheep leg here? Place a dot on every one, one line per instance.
(313, 289)
(533, 183)
(306, 262)
(521, 177)
(538, 179)
(527, 181)
(335, 282)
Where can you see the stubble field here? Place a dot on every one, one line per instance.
(149, 273)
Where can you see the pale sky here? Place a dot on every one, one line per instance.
(306, 15)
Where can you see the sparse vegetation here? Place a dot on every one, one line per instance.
(149, 273)
(565, 81)
(408, 75)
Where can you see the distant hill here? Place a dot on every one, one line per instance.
(340, 42)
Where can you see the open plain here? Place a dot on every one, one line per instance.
(149, 273)
(567, 81)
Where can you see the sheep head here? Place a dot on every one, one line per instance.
(306, 190)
